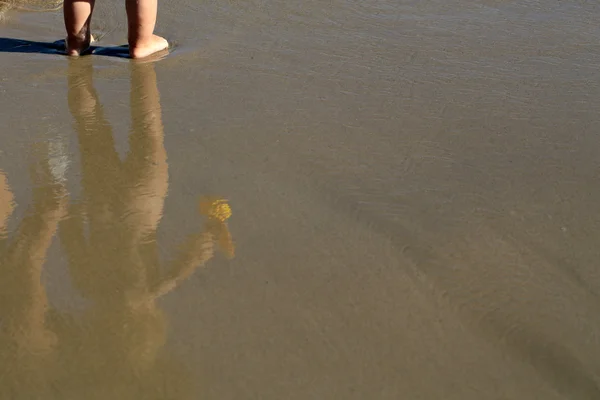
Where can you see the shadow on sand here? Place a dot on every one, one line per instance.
(11, 45)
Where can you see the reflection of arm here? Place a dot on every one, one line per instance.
(146, 164)
(199, 248)
(196, 251)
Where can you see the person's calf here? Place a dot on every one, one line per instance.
(78, 16)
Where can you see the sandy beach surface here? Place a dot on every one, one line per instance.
(338, 199)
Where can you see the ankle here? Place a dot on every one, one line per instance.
(78, 38)
(137, 49)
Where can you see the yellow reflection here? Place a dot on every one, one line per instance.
(113, 348)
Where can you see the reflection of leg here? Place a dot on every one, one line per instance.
(78, 15)
(82, 97)
(6, 202)
(146, 164)
(100, 160)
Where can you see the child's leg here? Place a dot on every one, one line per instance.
(141, 19)
(78, 15)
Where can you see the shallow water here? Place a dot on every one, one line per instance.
(413, 193)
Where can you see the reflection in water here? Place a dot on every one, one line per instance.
(6, 202)
(113, 349)
(25, 339)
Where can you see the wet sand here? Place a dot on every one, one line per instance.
(349, 200)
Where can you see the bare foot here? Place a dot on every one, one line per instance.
(78, 44)
(148, 47)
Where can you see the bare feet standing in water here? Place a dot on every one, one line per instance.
(141, 19)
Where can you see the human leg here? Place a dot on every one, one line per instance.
(78, 15)
(141, 20)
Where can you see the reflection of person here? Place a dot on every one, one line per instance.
(141, 19)
(26, 342)
(110, 240)
(113, 347)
